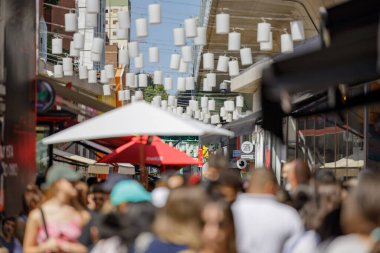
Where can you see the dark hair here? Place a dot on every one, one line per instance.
(218, 162)
(9, 218)
(97, 188)
(229, 177)
(91, 181)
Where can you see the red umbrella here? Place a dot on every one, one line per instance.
(156, 152)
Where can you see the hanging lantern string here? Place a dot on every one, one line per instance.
(60, 7)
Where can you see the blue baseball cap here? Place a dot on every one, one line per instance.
(129, 191)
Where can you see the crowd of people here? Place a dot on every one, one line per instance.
(311, 211)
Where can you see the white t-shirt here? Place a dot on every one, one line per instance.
(263, 224)
(349, 244)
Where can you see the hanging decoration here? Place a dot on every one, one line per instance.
(200, 40)
(222, 23)
(206, 87)
(103, 76)
(204, 102)
(222, 112)
(208, 61)
(123, 19)
(92, 6)
(233, 67)
(154, 11)
(187, 54)
(91, 20)
(297, 30)
(58, 71)
(211, 79)
(263, 31)
(229, 117)
(190, 28)
(67, 66)
(181, 84)
(139, 61)
(229, 106)
(164, 104)
(73, 52)
(143, 80)
(122, 34)
(222, 63)
(154, 55)
(110, 72)
(267, 46)
(246, 56)
(190, 83)
(95, 57)
(123, 56)
(106, 90)
(179, 36)
(133, 49)
(234, 39)
(141, 27)
(127, 95)
(240, 101)
(168, 83)
(83, 72)
(211, 105)
(130, 80)
(175, 60)
(183, 67)
(92, 76)
(171, 101)
(215, 119)
(286, 43)
(56, 46)
(139, 95)
(78, 40)
(97, 45)
(157, 77)
(71, 22)
(120, 95)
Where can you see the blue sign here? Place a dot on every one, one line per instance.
(236, 153)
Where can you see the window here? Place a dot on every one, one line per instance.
(114, 22)
(114, 11)
(106, 10)
(114, 33)
(106, 22)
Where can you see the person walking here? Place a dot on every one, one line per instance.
(8, 236)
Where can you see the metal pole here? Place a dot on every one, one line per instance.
(365, 126)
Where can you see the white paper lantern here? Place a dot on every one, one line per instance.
(195, 105)
(164, 104)
(78, 41)
(58, 71)
(181, 84)
(123, 19)
(171, 100)
(223, 86)
(130, 80)
(229, 117)
(200, 40)
(211, 105)
(175, 60)
(263, 32)
(206, 87)
(240, 101)
(190, 83)
(141, 27)
(183, 67)
(91, 20)
(68, 73)
(235, 115)
(215, 119)
(106, 90)
(246, 56)
(267, 46)
(73, 52)
(234, 39)
(286, 43)
(233, 68)
(96, 57)
(122, 34)
(222, 63)
(179, 36)
(190, 27)
(110, 72)
(67, 64)
(222, 23)
(206, 120)
(154, 55)
(154, 11)
(168, 83)
(298, 30)
(133, 99)
(197, 114)
(103, 76)
(123, 56)
(179, 110)
(139, 95)
(229, 106)
(139, 61)
(208, 61)
(222, 112)
(120, 95)
(156, 101)
(204, 102)
(187, 53)
(133, 49)
(211, 79)
(136, 80)
(143, 80)
(70, 22)
(157, 77)
(127, 95)
(189, 111)
(56, 46)
(97, 45)
(92, 76)
(92, 6)
(83, 72)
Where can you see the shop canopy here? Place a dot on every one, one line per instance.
(139, 118)
(348, 55)
(156, 153)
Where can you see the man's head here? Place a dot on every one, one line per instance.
(98, 195)
(216, 164)
(263, 181)
(295, 173)
(9, 226)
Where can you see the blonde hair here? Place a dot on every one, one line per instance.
(179, 222)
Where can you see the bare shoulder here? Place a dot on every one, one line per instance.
(35, 215)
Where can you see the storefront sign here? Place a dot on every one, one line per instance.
(236, 153)
(246, 147)
(45, 96)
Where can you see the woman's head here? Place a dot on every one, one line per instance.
(31, 198)
(218, 232)
(179, 221)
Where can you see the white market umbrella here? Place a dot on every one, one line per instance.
(139, 118)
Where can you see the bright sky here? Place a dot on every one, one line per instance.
(173, 13)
